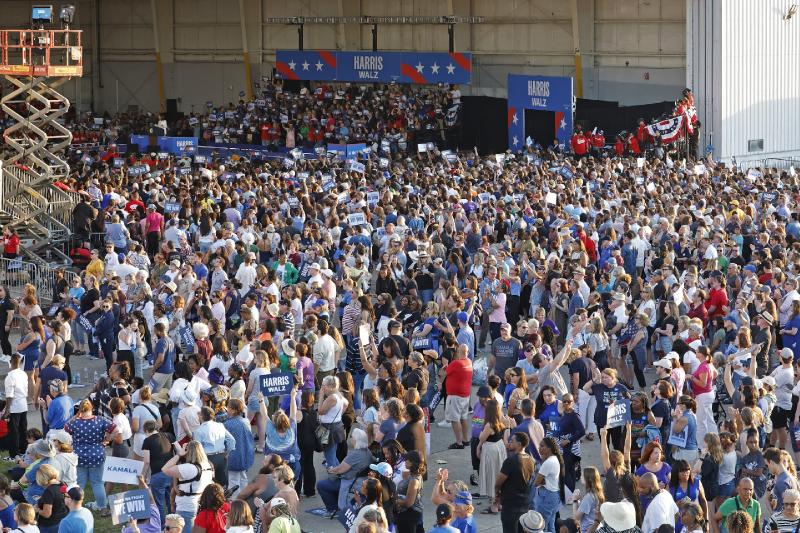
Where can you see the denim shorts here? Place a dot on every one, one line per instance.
(726, 490)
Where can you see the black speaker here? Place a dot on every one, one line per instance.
(172, 110)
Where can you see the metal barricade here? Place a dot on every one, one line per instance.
(15, 274)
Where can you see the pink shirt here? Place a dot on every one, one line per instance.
(498, 313)
(704, 367)
(154, 221)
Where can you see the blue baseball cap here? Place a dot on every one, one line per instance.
(463, 498)
(462, 317)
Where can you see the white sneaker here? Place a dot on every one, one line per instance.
(443, 424)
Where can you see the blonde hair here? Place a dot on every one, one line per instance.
(46, 475)
(284, 473)
(239, 514)
(25, 514)
(195, 453)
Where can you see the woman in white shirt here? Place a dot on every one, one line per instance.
(330, 414)
(549, 482)
(146, 410)
(193, 471)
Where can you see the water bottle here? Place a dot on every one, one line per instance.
(76, 379)
(96, 377)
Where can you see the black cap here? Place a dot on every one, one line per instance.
(484, 392)
(444, 511)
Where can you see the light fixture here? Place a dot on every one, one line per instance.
(66, 14)
(792, 11)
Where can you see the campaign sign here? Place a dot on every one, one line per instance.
(187, 336)
(383, 162)
(193, 121)
(373, 197)
(138, 170)
(86, 323)
(343, 197)
(769, 197)
(328, 185)
(356, 219)
(293, 201)
(118, 470)
(200, 159)
(679, 439)
(172, 207)
(619, 413)
(566, 173)
(355, 166)
(118, 162)
(277, 384)
(133, 504)
(178, 145)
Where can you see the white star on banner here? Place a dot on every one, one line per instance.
(515, 119)
(292, 64)
(451, 69)
(563, 124)
(319, 65)
(305, 65)
(516, 140)
(435, 68)
(420, 67)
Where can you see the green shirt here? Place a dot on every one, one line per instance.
(734, 504)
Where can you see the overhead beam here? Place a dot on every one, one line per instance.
(248, 76)
(162, 98)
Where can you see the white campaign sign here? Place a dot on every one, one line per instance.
(356, 219)
(117, 470)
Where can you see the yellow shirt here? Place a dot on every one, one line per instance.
(96, 268)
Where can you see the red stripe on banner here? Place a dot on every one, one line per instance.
(559, 116)
(511, 112)
(285, 71)
(462, 61)
(328, 58)
(410, 72)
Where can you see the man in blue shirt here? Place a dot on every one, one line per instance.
(59, 408)
(217, 442)
(79, 519)
(465, 335)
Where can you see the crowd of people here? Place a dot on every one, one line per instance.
(531, 302)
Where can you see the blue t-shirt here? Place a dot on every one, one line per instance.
(465, 525)
(443, 529)
(550, 419)
(59, 412)
(389, 428)
(164, 345)
(79, 521)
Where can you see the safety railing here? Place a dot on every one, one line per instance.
(15, 274)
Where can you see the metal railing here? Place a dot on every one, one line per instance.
(15, 274)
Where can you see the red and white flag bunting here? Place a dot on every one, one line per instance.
(669, 129)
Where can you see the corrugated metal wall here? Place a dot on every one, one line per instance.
(633, 50)
(743, 62)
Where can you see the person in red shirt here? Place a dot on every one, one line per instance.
(10, 243)
(579, 144)
(264, 129)
(717, 303)
(458, 380)
(633, 145)
(598, 141)
(619, 146)
(212, 510)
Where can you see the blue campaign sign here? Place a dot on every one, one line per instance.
(172, 207)
(118, 162)
(384, 67)
(353, 150)
(277, 384)
(178, 145)
(619, 413)
(143, 141)
(368, 66)
(541, 93)
(314, 65)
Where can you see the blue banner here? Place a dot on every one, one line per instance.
(143, 141)
(172, 207)
(375, 67)
(541, 93)
(277, 384)
(619, 413)
(178, 145)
